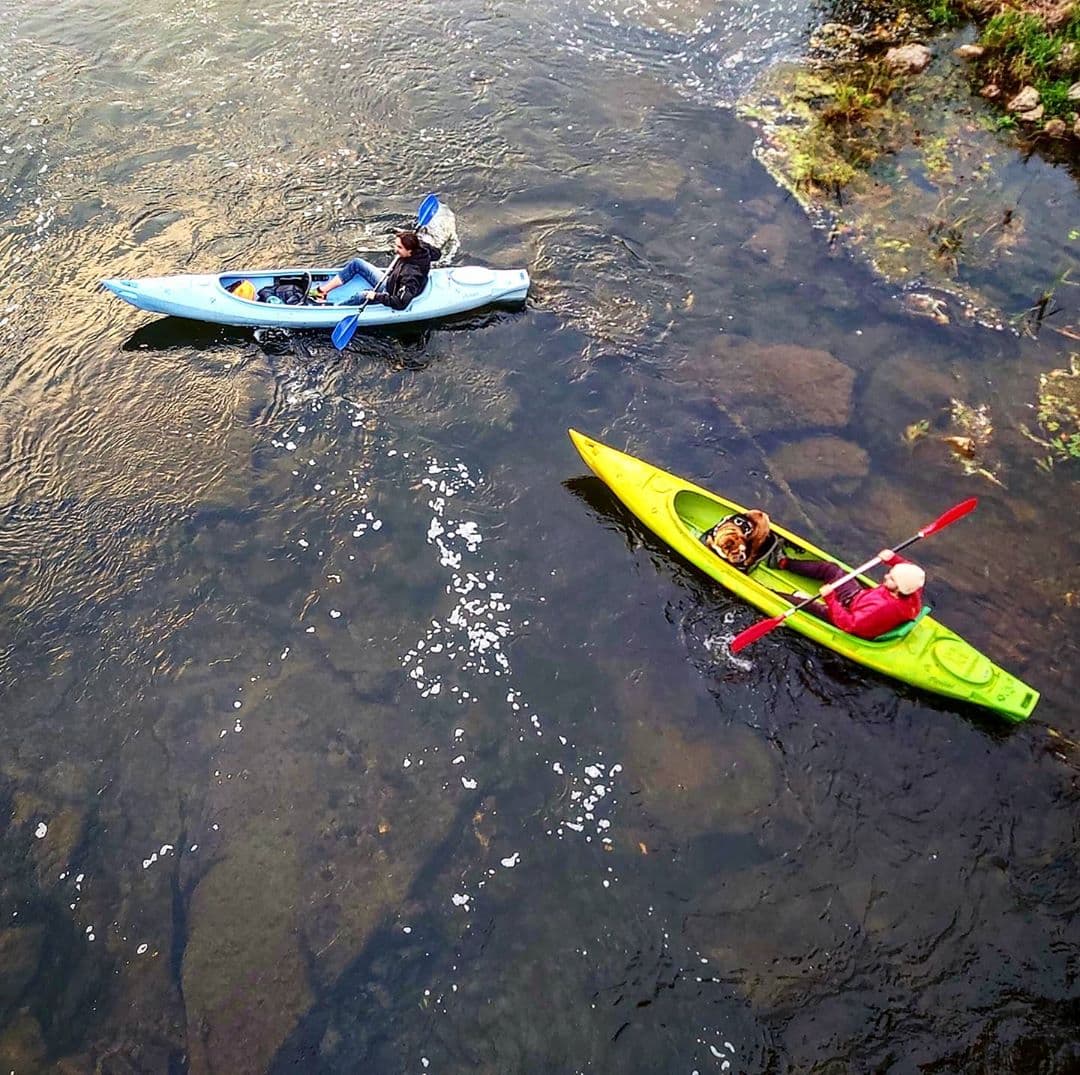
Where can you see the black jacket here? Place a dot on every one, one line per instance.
(407, 278)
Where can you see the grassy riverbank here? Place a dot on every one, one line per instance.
(897, 134)
(1030, 45)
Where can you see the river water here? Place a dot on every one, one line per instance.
(345, 725)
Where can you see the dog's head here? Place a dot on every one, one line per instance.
(727, 541)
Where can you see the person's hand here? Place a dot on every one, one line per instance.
(826, 590)
(886, 556)
(368, 296)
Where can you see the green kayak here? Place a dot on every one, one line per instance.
(925, 654)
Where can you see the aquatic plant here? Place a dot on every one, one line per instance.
(1024, 39)
(1029, 321)
(848, 105)
(916, 431)
(1058, 413)
(816, 168)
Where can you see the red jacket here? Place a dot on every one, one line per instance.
(873, 612)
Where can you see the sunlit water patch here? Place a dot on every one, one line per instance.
(708, 52)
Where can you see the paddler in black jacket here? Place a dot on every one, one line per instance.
(406, 279)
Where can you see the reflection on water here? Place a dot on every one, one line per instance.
(335, 732)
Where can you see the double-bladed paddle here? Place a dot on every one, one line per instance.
(763, 627)
(344, 329)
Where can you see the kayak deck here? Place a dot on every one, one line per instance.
(929, 655)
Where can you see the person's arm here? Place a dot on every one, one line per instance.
(402, 291)
(399, 299)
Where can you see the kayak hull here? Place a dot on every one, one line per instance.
(203, 297)
(930, 656)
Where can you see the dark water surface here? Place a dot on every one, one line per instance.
(345, 726)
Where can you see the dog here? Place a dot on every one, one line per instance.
(741, 539)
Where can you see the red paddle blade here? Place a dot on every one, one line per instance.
(954, 513)
(752, 634)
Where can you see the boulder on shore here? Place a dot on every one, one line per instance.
(908, 59)
(1025, 101)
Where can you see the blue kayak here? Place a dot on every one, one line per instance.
(206, 296)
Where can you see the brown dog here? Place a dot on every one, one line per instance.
(739, 539)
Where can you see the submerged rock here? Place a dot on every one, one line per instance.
(821, 459)
(697, 784)
(22, 1048)
(57, 833)
(20, 950)
(781, 386)
(909, 384)
(770, 242)
(244, 972)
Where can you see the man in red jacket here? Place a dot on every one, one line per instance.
(855, 609)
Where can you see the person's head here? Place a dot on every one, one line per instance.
(904, 579)
(406, 243)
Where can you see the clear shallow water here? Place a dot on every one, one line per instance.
(344, 724)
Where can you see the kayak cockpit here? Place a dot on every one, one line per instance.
(699, 514)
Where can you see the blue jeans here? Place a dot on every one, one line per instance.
(360, 267)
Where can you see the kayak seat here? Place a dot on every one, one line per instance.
(904, 629)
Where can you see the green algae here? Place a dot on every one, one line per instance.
(1058, 413)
